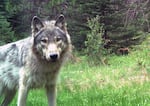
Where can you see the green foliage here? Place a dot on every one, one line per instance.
(94, 43)
(118, 19)
(116, 16)
(6, 33)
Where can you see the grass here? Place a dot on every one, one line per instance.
(124, 81)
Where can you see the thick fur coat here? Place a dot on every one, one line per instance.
(34, 62)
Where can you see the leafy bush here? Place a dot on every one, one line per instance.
(94, 43)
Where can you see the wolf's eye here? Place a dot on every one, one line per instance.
(58, 39)
(44, 40)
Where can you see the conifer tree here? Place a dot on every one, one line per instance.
(6, 33)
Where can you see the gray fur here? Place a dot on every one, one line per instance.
(34, 62)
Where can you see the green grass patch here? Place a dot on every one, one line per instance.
(134, 95)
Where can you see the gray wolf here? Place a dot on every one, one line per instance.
(34, 62)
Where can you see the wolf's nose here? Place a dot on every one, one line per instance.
(54, 56)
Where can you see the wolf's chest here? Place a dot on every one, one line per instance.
(41, 79)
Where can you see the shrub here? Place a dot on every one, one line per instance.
(94, 43)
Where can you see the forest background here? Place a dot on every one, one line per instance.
(122, 23)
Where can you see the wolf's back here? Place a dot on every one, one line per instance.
(15, 52)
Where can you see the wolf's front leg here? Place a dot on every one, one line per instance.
(51, 95)
(23, 91)
(22, 96)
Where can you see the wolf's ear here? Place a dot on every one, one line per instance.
(36, 24)
(60, 22)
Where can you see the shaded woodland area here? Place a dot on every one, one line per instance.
(125, 22)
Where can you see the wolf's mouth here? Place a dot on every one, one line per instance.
(54, 61)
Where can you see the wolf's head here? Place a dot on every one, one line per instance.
(50, 38)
